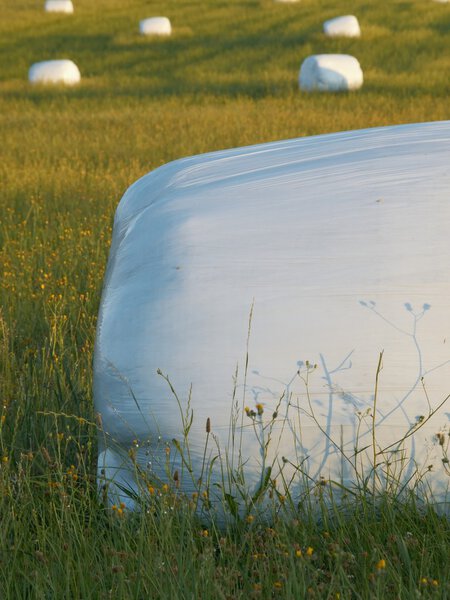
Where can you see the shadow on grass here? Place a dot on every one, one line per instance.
(241, 63)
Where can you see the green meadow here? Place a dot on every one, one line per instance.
(227, 77)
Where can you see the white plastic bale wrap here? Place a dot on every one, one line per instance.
(155, 26)
(346, 26)
(59, 6)
(330, 73)
(340, 243)
(54, 71)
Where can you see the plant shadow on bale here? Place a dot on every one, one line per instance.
(220, 494)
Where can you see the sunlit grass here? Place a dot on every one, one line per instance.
(226, 78)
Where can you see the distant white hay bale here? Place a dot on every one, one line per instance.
(155, 26)
(286, 1)
(442, 1)
(346, 26)
(330, 73)
(54, 71)
(59, 6)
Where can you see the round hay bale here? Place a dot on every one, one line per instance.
(330, 73)
(334, 248)
(155, 26)
(346, 26)
(286, 1)
(54, 71)
(59, 6)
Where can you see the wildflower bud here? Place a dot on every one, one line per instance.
(381, 564)
(46, 455)
(441, 438)
(117, 568)
(98, 420)
(176, 478)
(278, 585)
(208, 425)
(260, 409)
(275, 415)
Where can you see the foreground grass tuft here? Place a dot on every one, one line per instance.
(59, 541)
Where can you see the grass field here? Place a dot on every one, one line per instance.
(227, 77)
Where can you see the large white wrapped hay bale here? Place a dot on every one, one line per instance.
(338, 247)
(59, 6)
(346, 26)
(155, 26)
(286, 1)
(54, 71)
(330, 73)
